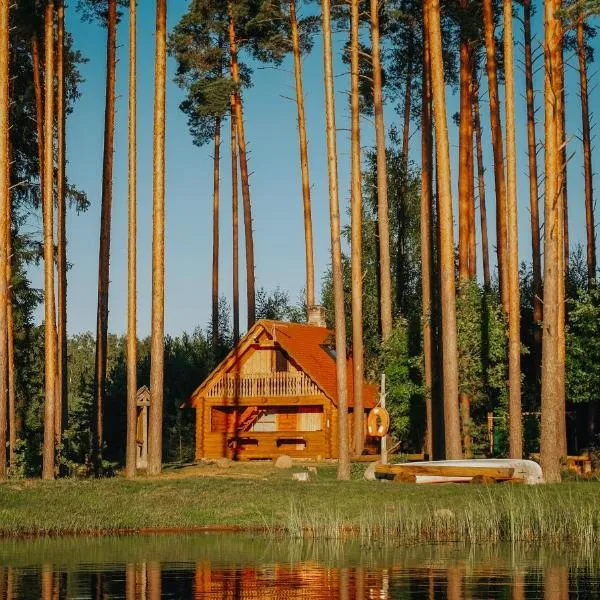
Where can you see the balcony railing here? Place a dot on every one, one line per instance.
(263, 384)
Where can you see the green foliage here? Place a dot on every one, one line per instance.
(276, 306)
(583, 347)
(405, 393)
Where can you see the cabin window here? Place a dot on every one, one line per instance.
(266, 422)
(330, 350)
(281, 362)
(310, 418)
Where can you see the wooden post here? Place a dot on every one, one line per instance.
(490, 427)
(382, 394)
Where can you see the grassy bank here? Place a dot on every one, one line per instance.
(254, 496)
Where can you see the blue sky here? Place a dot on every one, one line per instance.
(272, 141)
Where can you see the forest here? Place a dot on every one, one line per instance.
(497, 360)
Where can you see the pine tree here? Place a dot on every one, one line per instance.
(155, 428)
(131, 445)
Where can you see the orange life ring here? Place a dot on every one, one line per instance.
(378, 422)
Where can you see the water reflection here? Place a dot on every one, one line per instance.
(238, 567)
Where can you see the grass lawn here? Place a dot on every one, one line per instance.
(249, 495)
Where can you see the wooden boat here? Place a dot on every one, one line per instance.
(487, 470)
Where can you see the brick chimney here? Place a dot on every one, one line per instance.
(316, 316)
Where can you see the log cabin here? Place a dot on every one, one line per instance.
(275, 393)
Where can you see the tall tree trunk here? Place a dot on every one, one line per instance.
(487, 282)
(563, 244)
(12, 401)
(308, 234)
(427, 267)
(131, 450)
(105, 221)
(158, 247)
(48, 209)
(447, 283)
(4, 225)
(533, 193)
(356, 241)
(215, 256)
(382, 183)
(550, 450)
(62, 406)
(587, 156)
(241, 143)
(496, 128)
(39, 105)
(465, 178)
(514, 312)
(235, 226)
(401, 209)
(336, 249)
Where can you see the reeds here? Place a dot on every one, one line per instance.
(514, 514)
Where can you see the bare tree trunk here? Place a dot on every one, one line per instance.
(48, 209)
(563, 244)
(514, 312)
(447, 289)
(130, 461)
(481, 186)
(62, 406)
(105, 220)
(4, 221)
(308, 234)
(215, 257)
(465, 149)
(533, 193)
(401, 209)
(158, 247)
(336, 249)
(427, 267)
(235, 227)
(39, 105)
(465, 178)
(496, 128)
(550, 451)
(241, 143)
(12, 408)
(587, 157)
(356, 241)
(382, 183)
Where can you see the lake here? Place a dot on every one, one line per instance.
(232, 566)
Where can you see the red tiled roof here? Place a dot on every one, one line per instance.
(306, 345)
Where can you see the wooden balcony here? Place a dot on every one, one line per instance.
(268, 385)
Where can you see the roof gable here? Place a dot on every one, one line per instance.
(307, 347)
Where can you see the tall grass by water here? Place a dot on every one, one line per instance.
(473, 514)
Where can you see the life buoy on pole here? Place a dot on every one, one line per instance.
(378, 422)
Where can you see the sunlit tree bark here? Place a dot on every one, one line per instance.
(215, 256)
(446, 251)
(382, 190)
(536, 261)
(235, 225)
(308, 234)
(130, 460)
(512, 281)
(427, 267)
(496, 130)
(158, 247)
(550, 449)
(356, 236)
(336, 249)
(105, 221)
(61, 411)
(241, 144)
(48, 451)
